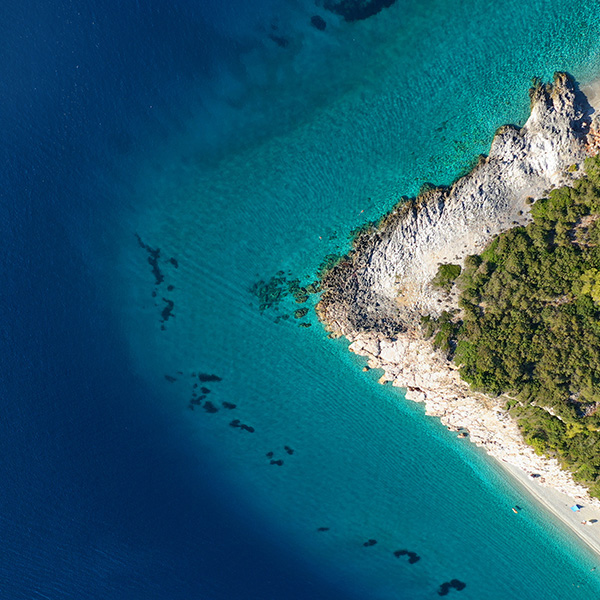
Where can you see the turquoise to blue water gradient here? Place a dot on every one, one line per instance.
(330, 133)
(187, 128)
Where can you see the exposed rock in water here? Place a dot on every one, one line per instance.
(301, 312)
(384, 284)
(376, 295)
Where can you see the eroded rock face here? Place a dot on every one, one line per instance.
(385, 286)
(377, 295)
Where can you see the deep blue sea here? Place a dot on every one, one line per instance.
(158, 159)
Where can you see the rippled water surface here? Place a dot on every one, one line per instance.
(171, 432)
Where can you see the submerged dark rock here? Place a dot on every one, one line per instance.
(357, 10)
(247, 428)
(301, 312)
(370, 543)
(174, 262)
(205, 390)
(413, 557)
(209, 407)
(170, 378)
(323, 529)
(318, 22)
(453, 584)
(281, 41)
(228, 405)
(269, 454)
(289, 450)
(153, 256)
(235, 423)
(205, 377)
(167, 311)
(279, 462)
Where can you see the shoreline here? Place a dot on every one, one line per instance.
(559, 505)
(376, 295)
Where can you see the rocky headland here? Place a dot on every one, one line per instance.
(377, 294)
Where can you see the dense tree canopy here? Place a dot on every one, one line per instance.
(529, 325)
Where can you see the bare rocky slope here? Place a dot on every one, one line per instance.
(376, 296)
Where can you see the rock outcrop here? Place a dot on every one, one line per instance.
(376, 296)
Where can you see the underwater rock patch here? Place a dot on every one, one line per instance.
(229, 405)
(453, 584)
(369, 543)
(206, 377)
(167, 311)
(318, 22)
(301, 312)
(323, 529)
(170, 378)
(413, 557)
(289, 450)
(279, 462)
(357, 10)
(209, 407)
(153, 256)
(281, 41)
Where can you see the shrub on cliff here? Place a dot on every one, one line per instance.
(446, 275)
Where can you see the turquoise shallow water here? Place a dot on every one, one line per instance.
(282, 156)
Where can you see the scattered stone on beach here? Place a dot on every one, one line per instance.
(370, 543)
(365, 369)
(318, 22)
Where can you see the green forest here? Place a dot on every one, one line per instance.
(529, 324)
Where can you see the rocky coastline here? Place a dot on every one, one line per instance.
(377, 294)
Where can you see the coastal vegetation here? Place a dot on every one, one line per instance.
(529, 324)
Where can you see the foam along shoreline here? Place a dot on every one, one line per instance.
(377, 294)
